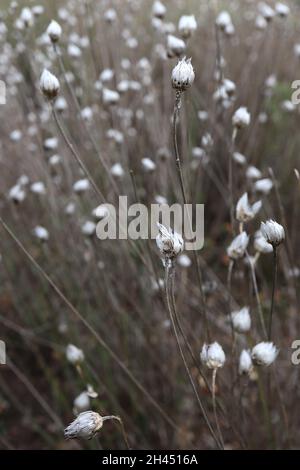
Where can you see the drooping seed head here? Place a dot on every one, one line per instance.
(241, 320)
(238, 246)
(85, 426)
(245, 362)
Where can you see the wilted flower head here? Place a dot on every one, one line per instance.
(187, 25)
(54, 31)
(74, 354)
(169, 243)
(84, 426)
(245, 362)
(213, 356)
(273, 232)
(49, 85)
(241, 118)
(183, 75)
(241, 320)
(238, 246)
(264, 354)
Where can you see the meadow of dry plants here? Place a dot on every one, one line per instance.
(159, 347)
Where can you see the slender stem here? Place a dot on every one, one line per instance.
(273, 291)
(76, 155)
(214, 375)
(230, 178)
(185, 200)
(120, 421)
(169, 304)
(229, 279)
(255, 287)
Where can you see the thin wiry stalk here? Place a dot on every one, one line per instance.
(169, 304)
(257, 297)
(76, 155)
(120, 421)
(213, 386)
(229, 279)
(230, 179)
(78, 109)
(89, 327)
(185, 200)
(273, 291)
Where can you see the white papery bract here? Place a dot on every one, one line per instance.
(84, 426)
(264, 353)
(260, 243)
(213, 356)
(238, 246)
(273, 232)
(282, 9)
(81, 403)
(245, 211)
(263, 186)
(176, 46)
(41, 233)
(158, 9)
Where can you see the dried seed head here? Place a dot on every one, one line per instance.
(260, 243)
(213, 356)
(245, 362)
(169, 242)
(84, 426)
(183, 75)
(74, 354)
(244, 211)
(158, 9)
(241, 118)
(241, 320)
(49, 85)
(238, 246)
(264, 354)
(273, 232)
(54, 31)
(187, 25)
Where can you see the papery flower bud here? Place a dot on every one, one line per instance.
(241, 320)
(74, 355)
(246, 212)
(187, 25)
(54, 31)
(81, 403)
(85, 426)
(245, 362)
(183, 75)
(169, 243)
(264, 354)
(241, 118)
(238, 246)
(213, 356)
(273, 232)
(49, 85)
(263, 186)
